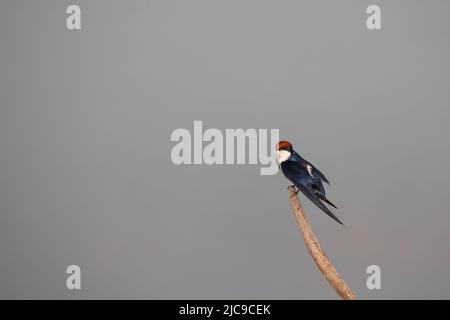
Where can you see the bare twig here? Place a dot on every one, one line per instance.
(316, 252)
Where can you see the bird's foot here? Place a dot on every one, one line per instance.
(295, 192)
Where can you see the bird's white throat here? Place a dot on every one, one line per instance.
(283, 155)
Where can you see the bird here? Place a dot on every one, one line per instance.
(305, 177)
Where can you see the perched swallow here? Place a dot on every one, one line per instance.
(307, 178)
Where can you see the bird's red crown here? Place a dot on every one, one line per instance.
(283, 145)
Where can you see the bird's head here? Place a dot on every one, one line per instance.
(284, 150)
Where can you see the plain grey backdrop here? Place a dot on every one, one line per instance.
(85, 170)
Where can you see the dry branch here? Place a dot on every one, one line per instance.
(316, 252)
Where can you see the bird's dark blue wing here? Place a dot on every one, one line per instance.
(316, 173)
(320, 174)
(309, 193)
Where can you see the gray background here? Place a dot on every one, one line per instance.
(85, 170)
